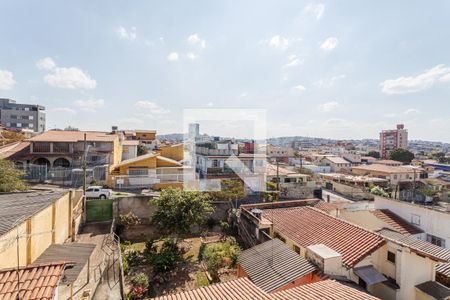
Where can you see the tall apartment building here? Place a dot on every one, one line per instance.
(393, 139)
(22, 116)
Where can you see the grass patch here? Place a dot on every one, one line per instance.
(202, 280)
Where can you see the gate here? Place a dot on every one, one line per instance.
(99, 210)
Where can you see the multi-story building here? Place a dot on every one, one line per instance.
(393, 139)
(22, 116)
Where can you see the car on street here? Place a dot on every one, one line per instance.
(98, 192)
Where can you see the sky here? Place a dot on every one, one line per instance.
(335, 69)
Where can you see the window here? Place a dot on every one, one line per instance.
(14, 117)
(436, 240)
(296, 249)
(391, 257)
(278, 236)
(415, 219)
(215, 163)
(395, 176)
(138, 172)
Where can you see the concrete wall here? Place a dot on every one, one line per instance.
(351, 191)
(48, 226)
(409, 270)
(138, 205)
(431, 221)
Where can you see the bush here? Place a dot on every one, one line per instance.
(379, 191)
(139, 286)
(167, 258)
(220, 254)
(128, 220)
(133, 258)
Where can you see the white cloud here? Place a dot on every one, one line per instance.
(279, 42)
(173, 56)
(329, 82)
(194, 39)
(411, 111)
(70, 78)
(152, 107)
(315, 10)
(299, 88)
(7, 81)
(329, 44)
(328, 106)
(46, 64)
(90, 104)
(293, 61)
(125, 34)
(420, 82)
(191, 56)
(66, 110)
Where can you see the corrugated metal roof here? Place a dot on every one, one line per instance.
(308, 226)
(327, 289)
(36, 282)
(78, 253)
(273, 264)
(398, 223)
(434, 289)
(443, 269)
(419, 246)
(239, 289)
(23, 205)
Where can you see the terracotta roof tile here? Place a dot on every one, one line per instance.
(396, 222)
(422, 247)
(239, 289)
(308, 226)
(327, 289)
(73, 136)
(36, 282)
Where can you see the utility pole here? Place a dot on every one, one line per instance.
(414, 186)
(84, 178)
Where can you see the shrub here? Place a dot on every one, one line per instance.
(128, 220)
(210, 223)
(139, 286)
(167, 258)
(379, 191)
(133, 258)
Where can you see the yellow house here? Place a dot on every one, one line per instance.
(32, 221)
(175, 152)
(150, 170)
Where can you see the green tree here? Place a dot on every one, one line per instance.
(402, 155)
(230, 190)
(374, 154)
(141, 149)
(177, 211)
(440, 157)
(10, 177)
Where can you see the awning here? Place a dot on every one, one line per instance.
(78, 253)
(369, 275)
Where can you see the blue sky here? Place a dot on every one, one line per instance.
(338, 69)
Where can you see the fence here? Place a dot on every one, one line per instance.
(72, 177)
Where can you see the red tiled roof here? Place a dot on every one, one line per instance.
(396, 222)
(308, 226)
(326, 206)
(327, 289)
(239, 289)
(73, 136)
(36, 282)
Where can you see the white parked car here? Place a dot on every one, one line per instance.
(98, 192)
